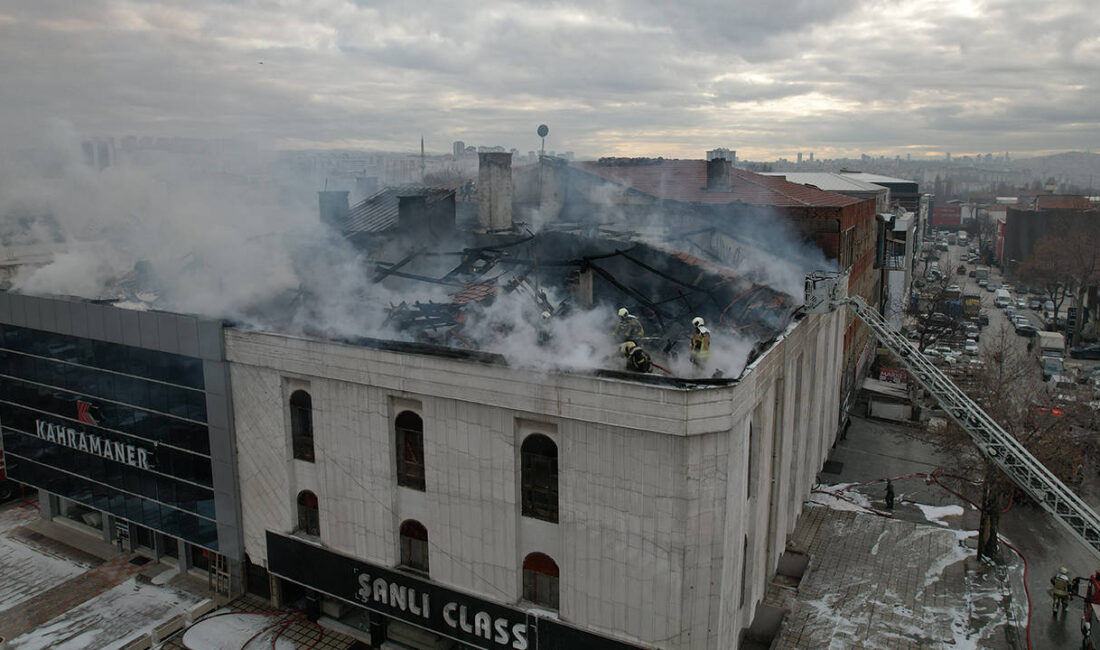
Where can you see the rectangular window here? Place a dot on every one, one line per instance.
(540, 589)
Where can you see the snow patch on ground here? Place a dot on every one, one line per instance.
(16, 516)
(874, 549)
(108, 620)
(840, 497)
(935, 514)
(229, 630)
(164, 576)
(29, 571)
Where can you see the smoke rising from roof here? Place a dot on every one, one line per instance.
(173, 236)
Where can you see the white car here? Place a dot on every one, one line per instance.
(971, 347)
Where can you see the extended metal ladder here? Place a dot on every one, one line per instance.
(824, 292)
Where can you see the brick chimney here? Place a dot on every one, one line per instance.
(494, 190)
(333, 208)
(718, 175)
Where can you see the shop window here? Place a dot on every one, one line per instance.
(301, 425)
(410, 450)
(414, 546)
(540, 580)
(309, 520)
(539, 477)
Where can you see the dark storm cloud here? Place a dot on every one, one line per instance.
(611, 77)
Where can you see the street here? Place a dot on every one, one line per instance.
(1045, 543)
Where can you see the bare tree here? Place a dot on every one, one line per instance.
(1066, 264)
(1043, 427)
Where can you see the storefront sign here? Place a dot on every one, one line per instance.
(473, 621)
(895, 375)
(90, 443)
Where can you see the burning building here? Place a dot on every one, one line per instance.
(455, 450)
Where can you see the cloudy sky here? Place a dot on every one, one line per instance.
(652, 77)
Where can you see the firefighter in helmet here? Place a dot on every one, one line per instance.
(700, 342)
(637, 359)
(629, 328)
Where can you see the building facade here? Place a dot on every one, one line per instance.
(122, 420)
(431, 500)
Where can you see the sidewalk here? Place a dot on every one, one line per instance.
(911, 580)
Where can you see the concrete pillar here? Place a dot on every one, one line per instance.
(551, 187)
(584, 288)
(494, 190)
(48, 507)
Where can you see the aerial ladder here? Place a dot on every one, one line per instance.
(828, 291)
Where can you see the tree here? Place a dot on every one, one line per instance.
(1045, 428)
(1066, 264)
(936, 312)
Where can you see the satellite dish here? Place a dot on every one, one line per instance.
(543, 130)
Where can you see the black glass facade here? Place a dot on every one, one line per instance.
(115, 427)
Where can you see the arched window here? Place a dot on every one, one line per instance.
(414, 545)
(301, 425)
(540, 580)
(309, 520)
(539, 477)
(410, 450)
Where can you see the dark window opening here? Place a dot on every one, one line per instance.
(309, 519)
(540, 580)
(410, 450)
(414, 546)
(539, 477)
(301, 425)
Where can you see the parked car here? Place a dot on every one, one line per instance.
(972, 331)
(1086, 351)
(1034, 303)
(983, 319)
(1048, 305)
(940, 318)
(984, 284)
(1026, 329)
(989, 287)
(971, 347)
(1010, 313)
(1021, 303)
(972, 273)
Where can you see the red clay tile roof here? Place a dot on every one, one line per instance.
(1062, 203)
(685, 181)
(476, 292)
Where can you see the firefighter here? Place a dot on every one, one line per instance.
(629, 328)
(700, 342)
(542, 330)
(1059, 593)
(637, 359)
(889, 494)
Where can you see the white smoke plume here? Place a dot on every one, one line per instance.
(247, 253)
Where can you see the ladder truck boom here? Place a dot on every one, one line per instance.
(827, 291)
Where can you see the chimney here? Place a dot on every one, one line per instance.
(412, 213)
(494, 190)
(718, 175)
(552, 185)
(333, 208)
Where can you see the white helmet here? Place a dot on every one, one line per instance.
(545, 315)
(623, 313)
(697, 321)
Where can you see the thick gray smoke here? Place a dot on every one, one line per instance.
(172, 236)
